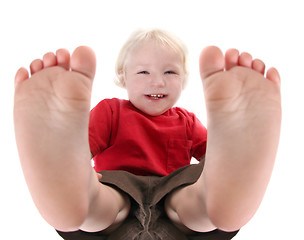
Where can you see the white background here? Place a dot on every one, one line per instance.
(270, 30)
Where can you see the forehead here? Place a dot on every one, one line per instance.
(153, 51)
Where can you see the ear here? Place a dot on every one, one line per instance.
(120, 80)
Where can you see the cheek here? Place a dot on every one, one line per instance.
(178, 93)
(133, 90)
(178, 90)
(177, 86)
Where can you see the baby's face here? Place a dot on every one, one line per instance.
(154, 77)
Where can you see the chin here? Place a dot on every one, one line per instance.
(156, 113)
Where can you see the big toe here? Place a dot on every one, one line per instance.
(211, 61)
(83, 60)
(21, 75)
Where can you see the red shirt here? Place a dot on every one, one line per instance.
(124, 138)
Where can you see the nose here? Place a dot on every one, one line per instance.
(157, 81)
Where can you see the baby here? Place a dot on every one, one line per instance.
(145, 135)
(142, 147)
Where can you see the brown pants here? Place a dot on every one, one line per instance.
(147, 219)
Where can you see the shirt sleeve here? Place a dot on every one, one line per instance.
(100, 127)
(199, 138)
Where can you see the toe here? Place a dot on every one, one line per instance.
(49, 60)
(273, 75)
(63, 58)
(231, 58)
(211, 61)
(245, 60)
(21, 75)
(83, 60)
(258, 66)
(36, 66)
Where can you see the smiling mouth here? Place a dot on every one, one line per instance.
(156, 96)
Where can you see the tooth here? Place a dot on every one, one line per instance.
(156, 95)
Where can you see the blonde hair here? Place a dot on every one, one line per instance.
(139, 36)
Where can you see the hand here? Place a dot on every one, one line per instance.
(99, 176)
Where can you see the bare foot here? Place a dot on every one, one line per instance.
(51, 115)
(244, 116)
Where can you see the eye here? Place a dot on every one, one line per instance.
(143, 72)
(170, 72)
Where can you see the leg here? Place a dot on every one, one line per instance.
(51, 115)
(186, 208)
(244, 115)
